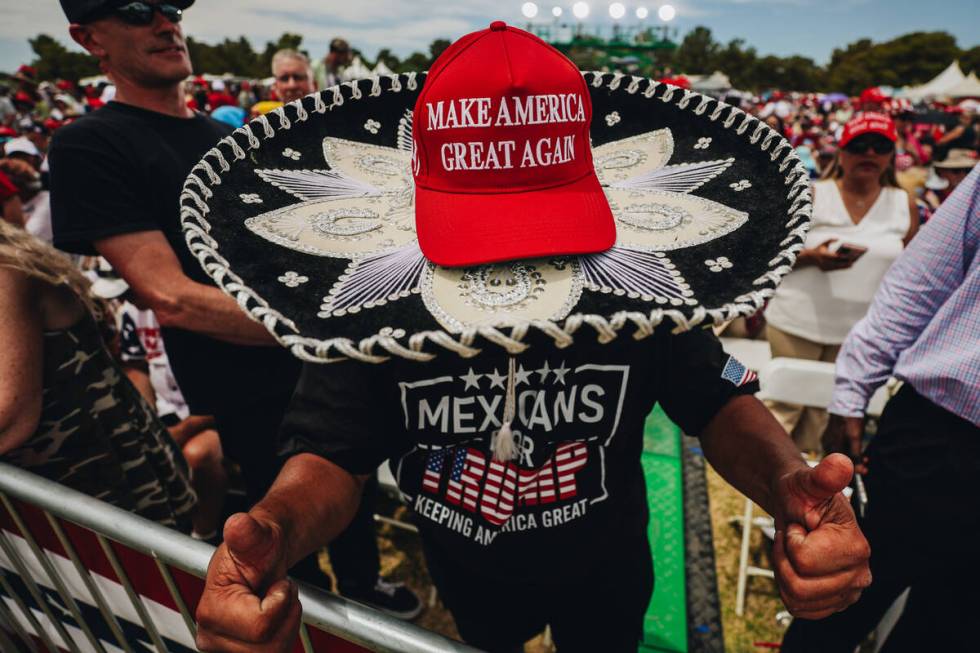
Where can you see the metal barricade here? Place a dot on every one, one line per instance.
(79, 575)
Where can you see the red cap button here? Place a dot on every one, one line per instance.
(498, 26)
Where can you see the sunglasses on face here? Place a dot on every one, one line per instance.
(292, 77)
(879, 144)
(141, 13)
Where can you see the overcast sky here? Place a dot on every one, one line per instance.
(809, 27)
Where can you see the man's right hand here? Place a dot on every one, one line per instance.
(844, 435)
(248, 604)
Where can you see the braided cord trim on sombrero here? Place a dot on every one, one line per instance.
(392, 342)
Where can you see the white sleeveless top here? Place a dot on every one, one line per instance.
(824, 306)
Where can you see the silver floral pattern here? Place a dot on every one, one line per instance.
(719, 264)
(290, 153)
(250, 198)
(612, 119)
(293, 279)
(739, 186)
(703, 143)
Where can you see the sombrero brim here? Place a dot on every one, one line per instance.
(306, 217)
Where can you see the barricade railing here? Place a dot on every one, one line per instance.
(79, 575)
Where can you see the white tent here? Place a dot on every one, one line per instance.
(938, 86)
(716, 82)
(357, 70)
(382, 69)
(969, 87)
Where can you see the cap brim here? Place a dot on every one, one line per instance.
(463, 229)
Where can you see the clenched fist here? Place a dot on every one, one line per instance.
(820, 554)
(248, 604)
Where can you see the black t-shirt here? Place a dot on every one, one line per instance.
(575, 493)
(120, 170)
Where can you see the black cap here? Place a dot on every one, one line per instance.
(79, 10)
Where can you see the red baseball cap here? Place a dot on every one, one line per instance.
(869, 123)
(502, 156)
(873, 95)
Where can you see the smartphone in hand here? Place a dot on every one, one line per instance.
(849, 250)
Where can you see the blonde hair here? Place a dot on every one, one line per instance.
(23, 252)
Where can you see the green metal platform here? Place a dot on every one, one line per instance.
(665, 625)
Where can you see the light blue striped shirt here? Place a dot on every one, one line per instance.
(924, 323)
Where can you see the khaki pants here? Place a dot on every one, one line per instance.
(804, 423)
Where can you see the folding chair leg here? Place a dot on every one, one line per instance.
(743, 559)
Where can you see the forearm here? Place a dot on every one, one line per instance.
(190, 427)
(141, 381)
(312, 501)
(206, 310)
(748, 447)
(13, 212)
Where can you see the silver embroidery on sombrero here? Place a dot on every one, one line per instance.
(637, 274)
(347, 228)
(405, 131)
(502, 294)
(652, 201)
(663, 221)
(375, 280)
(362, 208)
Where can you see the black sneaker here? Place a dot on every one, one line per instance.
(392, 598)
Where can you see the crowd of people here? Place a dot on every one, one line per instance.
(128, 375)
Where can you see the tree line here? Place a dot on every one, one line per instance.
(907, 60)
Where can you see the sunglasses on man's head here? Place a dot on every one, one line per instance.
(141, 13)
(879, 144)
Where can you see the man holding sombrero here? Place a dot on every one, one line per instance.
(508, 294)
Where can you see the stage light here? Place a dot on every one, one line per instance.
(556, 12)
(642, 13)
(529, 9)
(617, 10)
(667, 13)
(580, 9)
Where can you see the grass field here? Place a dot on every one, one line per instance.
(758, 624)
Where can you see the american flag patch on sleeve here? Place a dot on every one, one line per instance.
(737, 374)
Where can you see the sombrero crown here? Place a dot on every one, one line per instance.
(307, 216)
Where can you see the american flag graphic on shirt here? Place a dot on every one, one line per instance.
(737, 374)
(477, 481)
(433, 470)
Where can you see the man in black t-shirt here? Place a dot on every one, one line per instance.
(555, 536)
(116, 177)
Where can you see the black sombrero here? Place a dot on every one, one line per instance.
(306, 217)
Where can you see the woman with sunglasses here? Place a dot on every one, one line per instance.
(861, 222)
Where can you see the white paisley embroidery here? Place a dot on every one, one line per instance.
(739, 186)
(250, 198)
(290, 153)
(613, 118)
(372, 126)
(703, 143)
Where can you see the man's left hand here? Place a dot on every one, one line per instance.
(820, 554)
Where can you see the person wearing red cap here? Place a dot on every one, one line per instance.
(520, 459)
(861, 222)
(873, 100)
